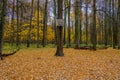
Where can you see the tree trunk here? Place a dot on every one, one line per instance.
(55, 29)
(38, 26)
(69, 31)
(80, 22)
(45, 25)
(87, 23)
(102, 28)
(12, 22)
(114, 25)
(2, 22)
(65, 12)
(118, 24)
(17, 34)
(105, 27)
(29, 32)
(59, 51)
(110, 24)
(94, 37)
(20, 24)
(76, 25)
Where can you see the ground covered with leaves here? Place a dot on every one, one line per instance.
(41, 64)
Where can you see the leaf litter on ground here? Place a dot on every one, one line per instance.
(41, 64)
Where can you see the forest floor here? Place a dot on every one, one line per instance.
(41, 64)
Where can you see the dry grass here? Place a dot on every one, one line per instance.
(41, 64)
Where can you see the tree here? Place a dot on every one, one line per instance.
(105, 27)
(80, 22)
(29, 31)
(69, 32)
(38, 25)
(118, 24)
(94, 39)
(110, 23)
(76, 24)
(114, 25)
(12, 21)
(45, 24)
(2, 22)
(55, 30)
(59, 51)
(17, 34)
(86, 22)
(65, 13)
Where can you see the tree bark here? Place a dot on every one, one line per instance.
(12, 22)
(29, 32)
(65, 12)
(38, 25)
(105, 27)
(118, 24)
(17, 34)
(114, 25)
(94, 36)
(80, 23)
(45, 24)
(69, 29)
(59, 51)
(76, 25)
(55, 29)
(110, 23)
(87, 23)
(2, 22)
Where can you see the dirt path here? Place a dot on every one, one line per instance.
(40, 64)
